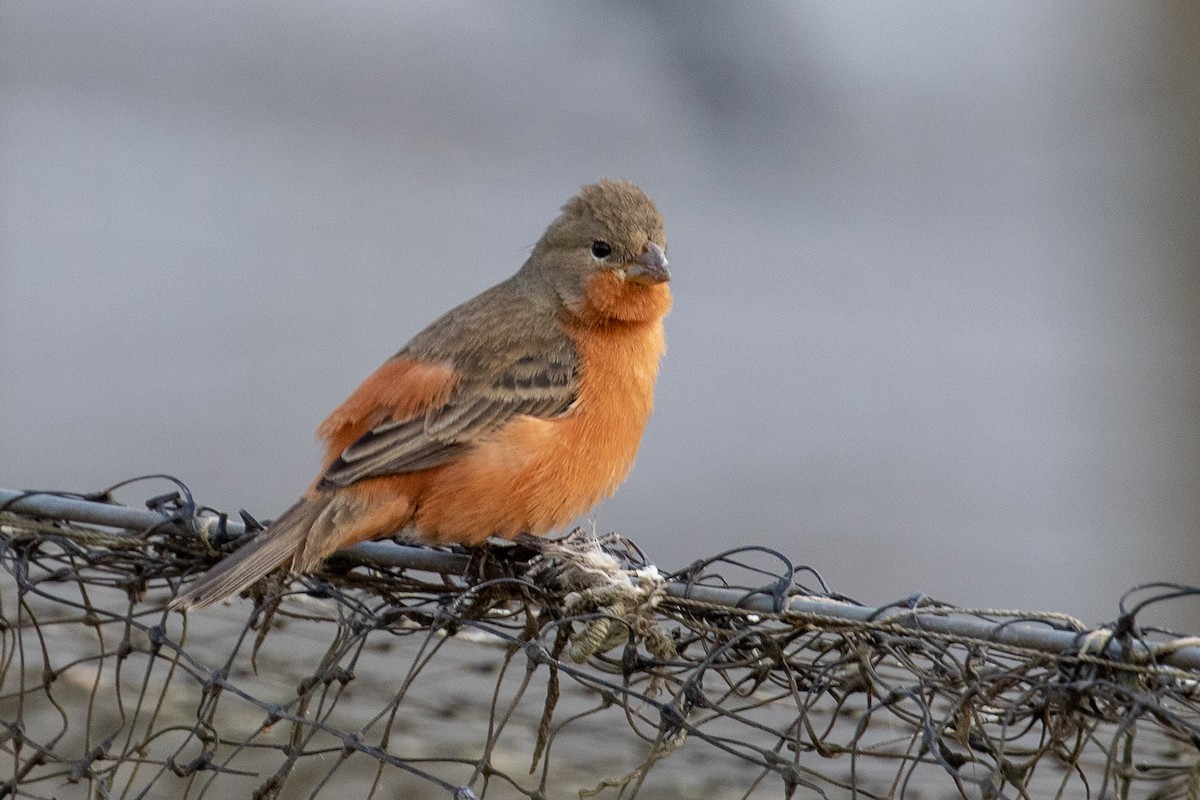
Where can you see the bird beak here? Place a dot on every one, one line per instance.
(650, 267)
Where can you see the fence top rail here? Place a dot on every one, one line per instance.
(1053, 634)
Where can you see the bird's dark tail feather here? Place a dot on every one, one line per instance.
(252, 561)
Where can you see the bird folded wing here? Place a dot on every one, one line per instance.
(544, 385)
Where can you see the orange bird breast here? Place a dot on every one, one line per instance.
(535, 475)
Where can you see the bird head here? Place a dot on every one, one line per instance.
(606, 253)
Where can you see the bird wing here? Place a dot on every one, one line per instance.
(543, 383)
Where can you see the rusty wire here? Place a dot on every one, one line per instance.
(547, 670)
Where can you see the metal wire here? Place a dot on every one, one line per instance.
(548, 669)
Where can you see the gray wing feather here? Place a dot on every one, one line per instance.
(541, 385)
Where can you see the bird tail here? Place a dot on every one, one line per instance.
(269, 549)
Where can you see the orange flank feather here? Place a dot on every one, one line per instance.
(513, 413)
(399, 389)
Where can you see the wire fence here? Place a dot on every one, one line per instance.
(548, 669)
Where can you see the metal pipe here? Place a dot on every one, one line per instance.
(1024, 634)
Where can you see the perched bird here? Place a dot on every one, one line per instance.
(513, 413)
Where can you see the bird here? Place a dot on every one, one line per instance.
(513, 413)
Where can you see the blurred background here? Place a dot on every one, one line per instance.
(936, 323)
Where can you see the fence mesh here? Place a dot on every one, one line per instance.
(556, 668)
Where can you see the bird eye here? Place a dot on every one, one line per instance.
(601, 250)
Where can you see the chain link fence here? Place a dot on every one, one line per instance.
(549, 669)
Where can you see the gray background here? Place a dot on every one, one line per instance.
(935, 264)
